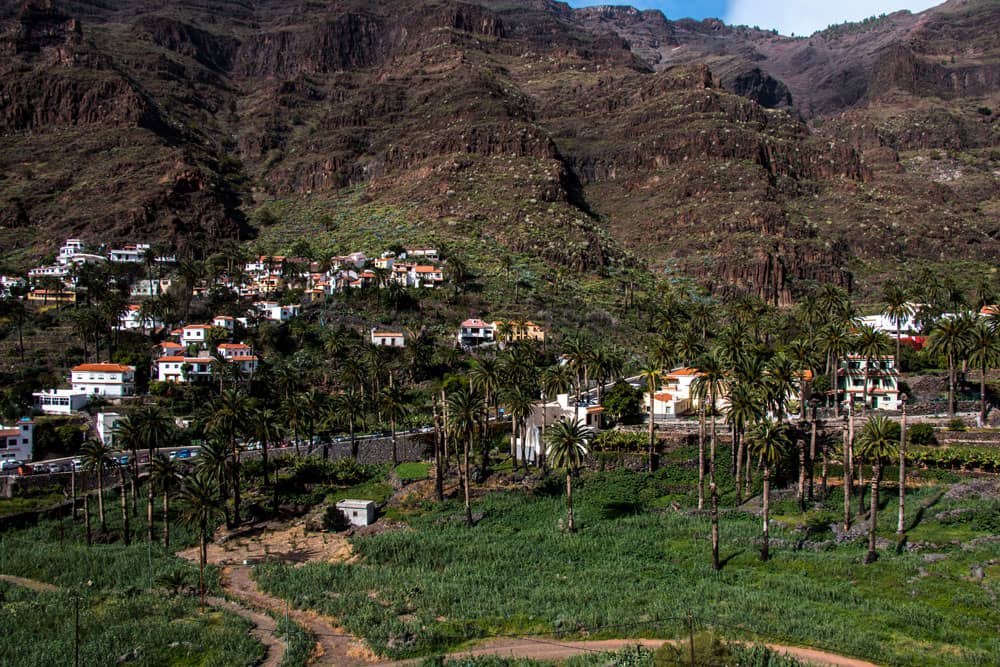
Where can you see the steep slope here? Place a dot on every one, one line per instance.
(525, 123)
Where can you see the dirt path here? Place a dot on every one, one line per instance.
(334, 646)
(553, 649)
(29, 583)
(265, 629)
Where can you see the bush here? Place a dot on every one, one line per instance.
(334, 520)
(710, 650)
(621, 441)
(957, 424)
(921, 434)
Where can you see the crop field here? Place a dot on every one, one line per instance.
(637, 568)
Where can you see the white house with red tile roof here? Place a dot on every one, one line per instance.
(230, 350)
(272, 310)
(546, 413)
(17, 441)
(474, 331)
(224, 322)
(195, 334)
(388, 338)
(113, 380)
(181, 369)
(673, 399)
(426, 276)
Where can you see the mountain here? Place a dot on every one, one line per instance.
(592, 138)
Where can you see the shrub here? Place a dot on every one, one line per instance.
(620, 441)
(956, 424)
(921, 434)
(334, 520)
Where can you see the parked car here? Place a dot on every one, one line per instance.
(181, 454)
(10, 466)
(77, 464)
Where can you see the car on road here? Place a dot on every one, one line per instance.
(180, 454)
(11, 466)
(77, 464)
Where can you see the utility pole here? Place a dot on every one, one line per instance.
(76, 631)
(691, 636)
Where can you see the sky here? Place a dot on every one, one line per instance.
(799, 17)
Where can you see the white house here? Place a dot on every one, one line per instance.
(130, 320)
(673, 399)
(17, 441)
(131, 253)
(147, 288)
(60, 401)
(8, 282)
(272, 310)
(114, 380)
(224, 322)
(233, 350)
(70, 248)
(180, 369)
(474, 332)
(430, 254)
(883, 379)
(195, 334)
(545, 414)
(426, 276)
(107, 424)
(388, 338)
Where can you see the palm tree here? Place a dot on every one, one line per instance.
(878, 441)
(266, 428)
(518, 402)
(213, 459)
(835, 342)
(463, 419)
(96, 458)
(229, 417)
(154, 426)
(164, 475)
(577, 353)
(126, 531)
(554, 380)
(871, 344)
(984, 353)
(746, 406)
(950, 337)
(393, 402)
(768, 441)
(349, 406)
(16, 310)
(897, 308)
(200, 505)
(567, 448)
(711, 383)
(650, 374)
(484, 376)
(780, 378)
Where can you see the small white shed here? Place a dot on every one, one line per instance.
(358, 512)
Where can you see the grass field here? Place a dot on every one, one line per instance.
(125, 607)
(637, 569)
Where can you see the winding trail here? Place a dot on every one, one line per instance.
(265, 629)
(29, 583)
(334, 645)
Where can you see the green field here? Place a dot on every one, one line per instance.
(636, 569)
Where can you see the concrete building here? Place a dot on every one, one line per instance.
(358, 512)
(60, 401)
(883, 380)
(388, 338)
(111, 380)
(543, 415)
(473, 332)
(17, 441)
(107, 424)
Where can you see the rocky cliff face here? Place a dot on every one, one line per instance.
(744, 159)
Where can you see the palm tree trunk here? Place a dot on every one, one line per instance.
(701, 458)
(438, 447)
(873, 513)
(951, 386)
(523, 428)
(833, 388)
(468, 482)
(812, 454)
(123, 492)
(823, 474)
(149, 510)
(652, 443)
(86, 516)
(201, 567)
(166, 519)
(765, 547)
(714, 495)
(738, 447)
(982, 396)
(236, 482)
(100, 497)
(900, 527)
(72, 488)
(570, 522)
(848, 468)
(395, 450)
(801, 493)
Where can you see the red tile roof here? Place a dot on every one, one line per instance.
(102, 368)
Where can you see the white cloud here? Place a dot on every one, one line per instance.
(803, 17)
